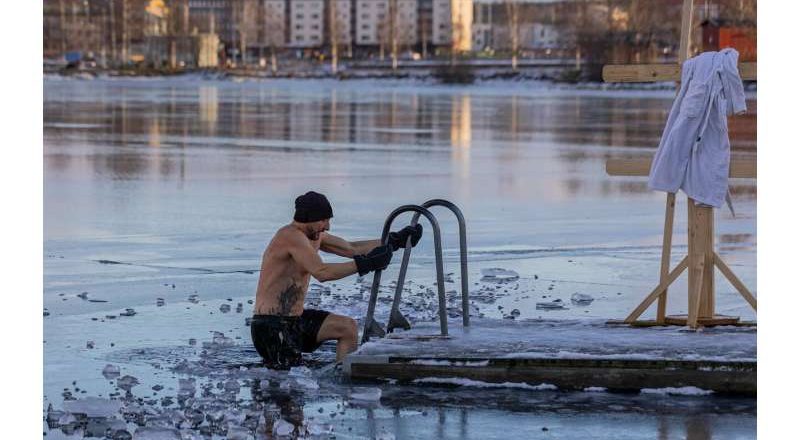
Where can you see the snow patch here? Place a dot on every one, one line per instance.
(680, 391)
(481, 384)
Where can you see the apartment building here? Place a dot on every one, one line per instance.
(374, 21)
(307, 23)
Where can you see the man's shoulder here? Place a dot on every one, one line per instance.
(288, 235)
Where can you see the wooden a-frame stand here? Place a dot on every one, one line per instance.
(702, 258)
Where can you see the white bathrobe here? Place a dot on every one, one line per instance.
(694, 153)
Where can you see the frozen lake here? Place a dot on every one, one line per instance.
(161, 188)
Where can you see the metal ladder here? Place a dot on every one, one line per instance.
(396, 318)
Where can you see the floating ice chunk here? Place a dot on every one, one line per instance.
(127, 382)
(318, 428)
(93, 407)
(581, 299)
(186, 387)
(120, 434)
(498, 275)
(300, 371)
(98, 427)
(194, 299)
(90, 344)
(66, 419)
(550, 305)
(225, 308)
(595, 390)
(366, 394)
(383, 435)
(111, 371)
(679, 391)
(282, 428)
(231, 386)
(307, 383)
(238, 433)
(128, 312)
(151, 433)
(219, 341)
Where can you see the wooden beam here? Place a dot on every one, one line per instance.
(737, 283)
(657, 291)
(659, 72)
(685, 48)
(666, 252)
(740, 168)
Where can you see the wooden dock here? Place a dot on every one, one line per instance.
(569, 355)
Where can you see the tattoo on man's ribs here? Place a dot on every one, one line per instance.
(288, 298)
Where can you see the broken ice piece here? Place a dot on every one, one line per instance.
(127, 382)
(551, 305)
(93, 407)
(155, 433)
(515, 313)
(111, 372)
(282, 428)
(186, 387)
(90, 344)
(192, 341)
(128, 312)
(239, 308)
(159, 302)
(366, 394)
(231, 386)
(83, 295)
(225, 308)
(581, 299)
(193, 299)
(498, 275)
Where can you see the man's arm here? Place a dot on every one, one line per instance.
(308, 258)
(343, 248)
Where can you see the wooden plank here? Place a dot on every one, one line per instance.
(685, 48)
(666, 252)
(629, 73)
(707, 292)
(682, 320)
(739, 168)
(657, 291)
(737, 283)
(567, 374)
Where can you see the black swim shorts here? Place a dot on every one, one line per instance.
(281, 339)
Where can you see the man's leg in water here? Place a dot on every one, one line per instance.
(344, 330)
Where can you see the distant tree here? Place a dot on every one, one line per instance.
(512, 22)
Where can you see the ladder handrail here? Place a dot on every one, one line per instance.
(376, 280)
(462, 239)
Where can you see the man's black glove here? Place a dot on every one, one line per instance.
(377, 259)
(398, 239)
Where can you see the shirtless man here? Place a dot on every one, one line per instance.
(281, 328)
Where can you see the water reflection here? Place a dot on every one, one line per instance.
(566, 137)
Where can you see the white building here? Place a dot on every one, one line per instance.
(307, 23)
(373, 21)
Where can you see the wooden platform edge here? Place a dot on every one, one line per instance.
(739, 168)
(725, 377)
(628, 73)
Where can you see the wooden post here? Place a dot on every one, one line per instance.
(666, 251)
(701, 263)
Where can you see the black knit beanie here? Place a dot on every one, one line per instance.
(312, 207)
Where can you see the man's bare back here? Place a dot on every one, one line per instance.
(283, 283)
(281, 327)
